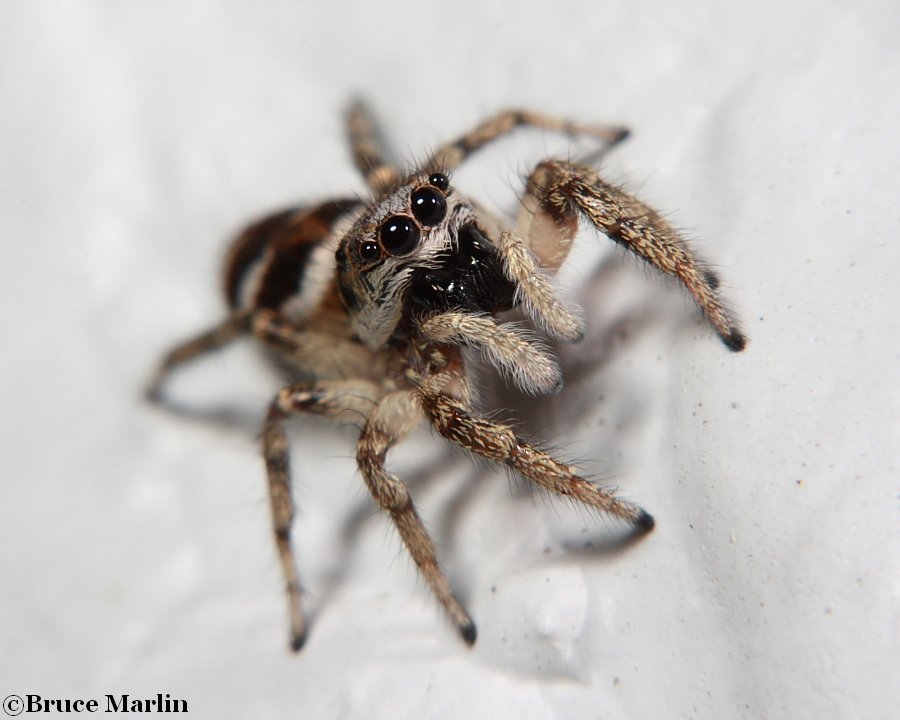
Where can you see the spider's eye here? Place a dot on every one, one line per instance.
(440, 181)
(369, 251)
(399, 235)
(428, 205)
(340, 256)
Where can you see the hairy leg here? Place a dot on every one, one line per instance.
(560, 193)
(323, 354)
(499, 443)
(352, 400)
(235, 325)
(454, 153)
(395, 416)
(369, 154)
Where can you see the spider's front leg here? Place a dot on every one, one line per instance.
(342, 399)
(499, 443)
(396, 414)
(560, 193)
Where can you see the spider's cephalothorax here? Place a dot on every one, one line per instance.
(371, 305)
(418, 252)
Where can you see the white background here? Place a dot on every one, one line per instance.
(135, 549)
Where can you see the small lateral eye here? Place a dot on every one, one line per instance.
(369, 250)
(440, 181)
(340, 256)
(399, 235)
(428, 205)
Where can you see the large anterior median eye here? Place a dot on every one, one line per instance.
(399, 235)
(428, 205)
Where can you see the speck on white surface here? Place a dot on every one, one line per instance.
(135, 548)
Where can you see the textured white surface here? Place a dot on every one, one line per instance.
(135, 547)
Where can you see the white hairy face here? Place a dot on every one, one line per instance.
(410, 228)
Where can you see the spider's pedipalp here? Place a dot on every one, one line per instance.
(525, 361)
(535, 291)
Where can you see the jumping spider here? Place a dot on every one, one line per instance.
(374, 301)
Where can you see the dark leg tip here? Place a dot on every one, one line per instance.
(469, 633)
(644, 522)
(621, 136)
(712, 280)
(153, 393)
(735, 340)
(297, 642)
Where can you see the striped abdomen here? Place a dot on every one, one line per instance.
(285, 262)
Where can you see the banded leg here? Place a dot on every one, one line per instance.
(340, 399)
(559, 194)
(498, 442)
(368, 150)
(395, 416)
(214, 339)
(454, 153)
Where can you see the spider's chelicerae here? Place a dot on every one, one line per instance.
(374, 301)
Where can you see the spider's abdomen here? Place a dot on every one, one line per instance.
(285, 262)
(469, 278)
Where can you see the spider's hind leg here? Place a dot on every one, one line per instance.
(367, 146)
(454, 153)
(218, 337)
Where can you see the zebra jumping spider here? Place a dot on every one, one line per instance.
(373, 303)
